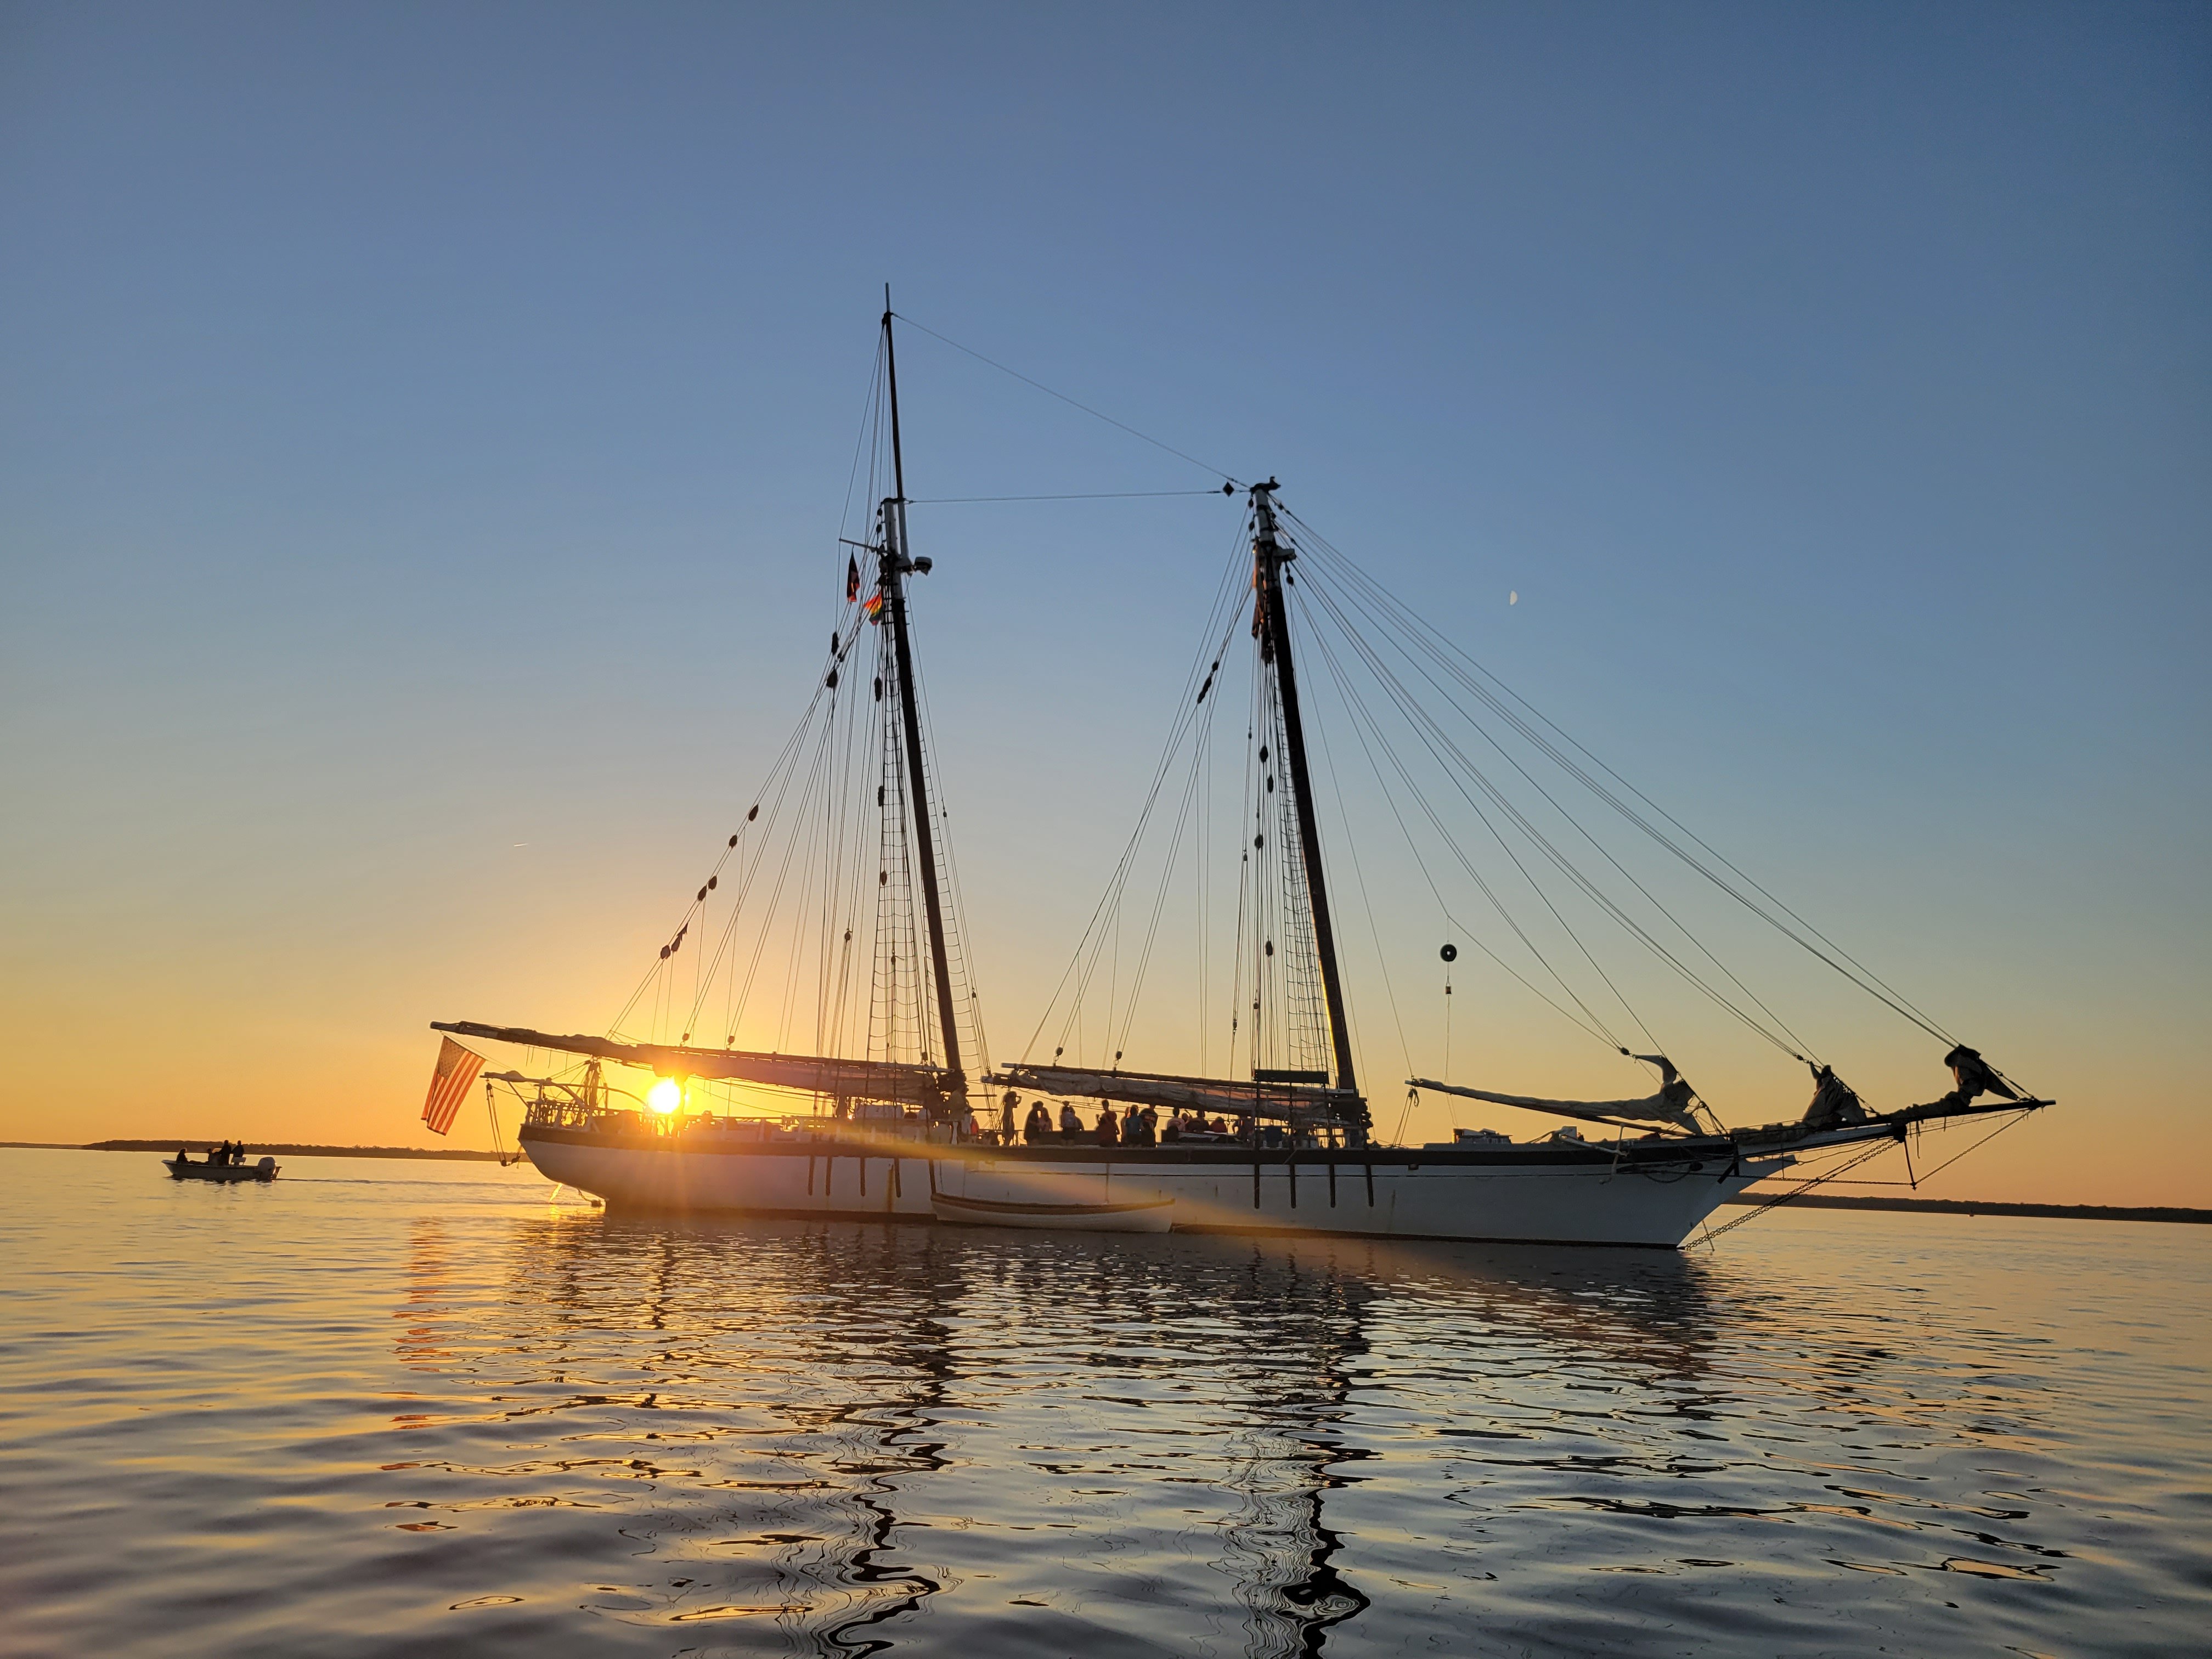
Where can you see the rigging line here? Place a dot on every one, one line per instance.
(1187, 715)
(870, 421)
(757, 848)
(2013, 1122)
(1229, 597)
(1444, 649)
(1424, 721)
(1266, 998)
(1041, 386)
(1159, 902)
(817, 828)
(1799, 1191)
(1305, 1028)
(1090, 495)
(1202, 846)
(1602, 851)
(1590, 1022)
(782, 875)
(852, 863)
(802, 830)
(962, 974)
(905, 943)
(1359, 874)
(790, 749)
(837, 812)
(1598, 845)
(1415, 716)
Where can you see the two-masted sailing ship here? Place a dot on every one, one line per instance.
(839, 883)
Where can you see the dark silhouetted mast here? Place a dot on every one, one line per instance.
(892, 567)
(1269, 556)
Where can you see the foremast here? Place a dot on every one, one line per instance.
(1270, 553)
(893, 566)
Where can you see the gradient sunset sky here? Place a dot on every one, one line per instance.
(425, 429)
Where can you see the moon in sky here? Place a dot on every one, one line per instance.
(1513, 597)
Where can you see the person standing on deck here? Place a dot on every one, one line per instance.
(1110, 1127)
(1038, 1126)
(1071, 1126)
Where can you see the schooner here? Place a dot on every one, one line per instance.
(884, 1120)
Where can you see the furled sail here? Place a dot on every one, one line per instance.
(1212, 1096)
(1671, 1105)
(856, 1080)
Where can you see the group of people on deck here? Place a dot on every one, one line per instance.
(1140, 1127)
(231, 1152)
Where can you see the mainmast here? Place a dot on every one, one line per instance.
(892, 567)
(1269, 556)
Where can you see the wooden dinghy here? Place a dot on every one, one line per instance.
(1148, 1215)
(192, 1169)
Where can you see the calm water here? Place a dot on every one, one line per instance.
(403, 1408)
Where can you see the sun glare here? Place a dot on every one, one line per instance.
(664, 1096)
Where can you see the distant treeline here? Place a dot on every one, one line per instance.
(1973, 1207)
(278, 1150)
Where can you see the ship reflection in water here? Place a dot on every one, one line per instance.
(1124, 1445)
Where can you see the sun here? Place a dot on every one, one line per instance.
(664, 1096)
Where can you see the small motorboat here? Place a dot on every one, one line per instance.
(190, 1168)
(1148, 1215)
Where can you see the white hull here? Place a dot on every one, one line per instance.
(1530, 1196)
(1151, 1215)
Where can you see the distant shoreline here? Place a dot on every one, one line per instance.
(1975, 1207)
(273, 1148)
(1810, 1202)
(1967, 1206)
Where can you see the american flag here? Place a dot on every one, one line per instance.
(449, 1084)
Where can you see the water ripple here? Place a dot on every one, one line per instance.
(412, 1409)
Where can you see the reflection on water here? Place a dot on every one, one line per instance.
(439, 1415)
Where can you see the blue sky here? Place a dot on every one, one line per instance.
(424, 430)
